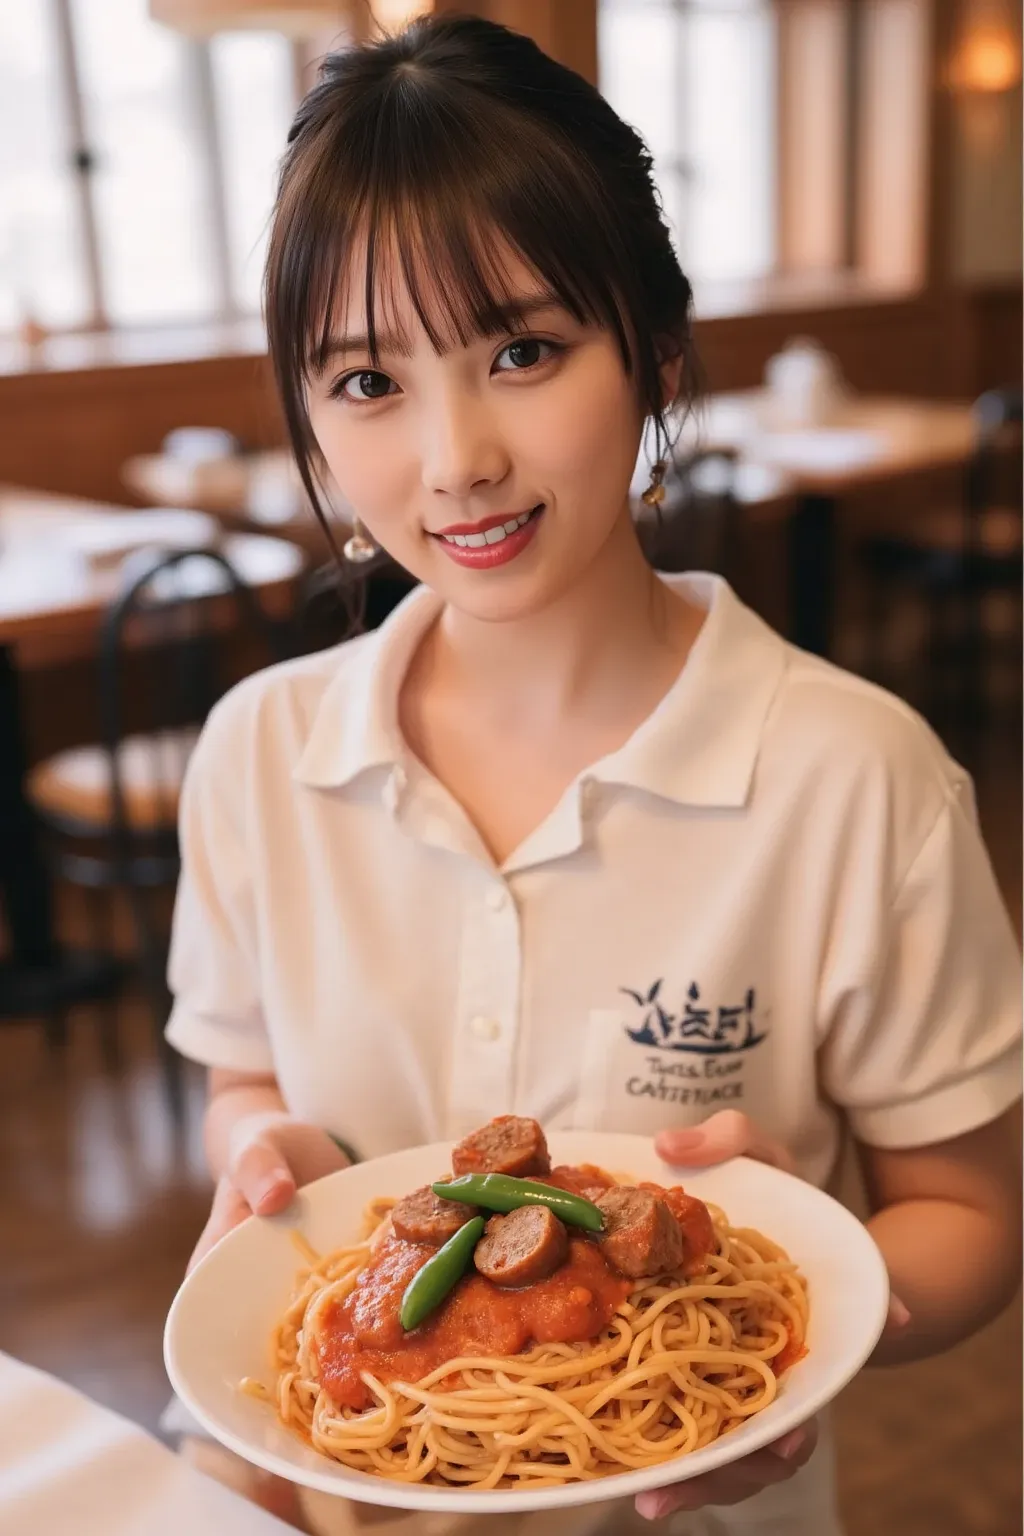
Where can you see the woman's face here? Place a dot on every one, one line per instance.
(497, 472)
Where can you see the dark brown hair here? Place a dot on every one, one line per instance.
(442, 148)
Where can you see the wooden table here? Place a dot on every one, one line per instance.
(868, 442)
(62, 561)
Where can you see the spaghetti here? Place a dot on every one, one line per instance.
(680, 1360)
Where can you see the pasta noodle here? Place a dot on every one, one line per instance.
(683, 1360)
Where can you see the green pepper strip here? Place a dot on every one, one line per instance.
(431, 1284)
(501, 1192)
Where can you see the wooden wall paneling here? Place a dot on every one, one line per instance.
(812, 134)
(948, 344)
(566, 29)
(940, 146)
(891, 145)
(995, 329)
(72, 431)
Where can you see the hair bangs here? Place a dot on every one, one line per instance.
(437, 220)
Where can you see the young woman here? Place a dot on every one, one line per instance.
(560, 818)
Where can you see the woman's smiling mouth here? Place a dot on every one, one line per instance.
(494, 541)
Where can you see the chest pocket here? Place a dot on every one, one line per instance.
(631, 1081)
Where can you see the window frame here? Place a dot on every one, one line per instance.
(852, 195)
(81, 158)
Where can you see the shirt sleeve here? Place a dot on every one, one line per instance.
(932, 1049)
(213, 970)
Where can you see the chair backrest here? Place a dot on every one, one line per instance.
(697, 527)
(994, 471)
(184, 628)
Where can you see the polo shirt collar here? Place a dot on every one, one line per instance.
(698, 748)
(356, 726)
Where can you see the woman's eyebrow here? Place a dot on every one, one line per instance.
(489, 322)
(501, 317)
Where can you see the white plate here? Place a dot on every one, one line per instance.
(220, 1321)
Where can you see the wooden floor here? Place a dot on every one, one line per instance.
(100, 1202)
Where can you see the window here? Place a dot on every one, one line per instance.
(251, 67)
(42, 262)
(696, 78)
(790, 137)
(137, 166)
(147, 181)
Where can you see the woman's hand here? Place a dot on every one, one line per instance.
(726, 1135)
(271, 1156)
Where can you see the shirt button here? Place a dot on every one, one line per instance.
(485, 1029)
(497, 898)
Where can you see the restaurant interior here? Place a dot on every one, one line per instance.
(843, 180)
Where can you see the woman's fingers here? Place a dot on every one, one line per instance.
(229, 1208)
(727, 1134)
(775, 1464)
(264, 1178)
(899, 1316)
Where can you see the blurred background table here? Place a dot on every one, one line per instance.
(252, 492)
(784, 475)
(869, 442)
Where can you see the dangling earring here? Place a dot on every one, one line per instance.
(358, 547)
(655, 492)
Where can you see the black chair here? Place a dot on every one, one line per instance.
(698, 526)
(183, 630)
(953, 559)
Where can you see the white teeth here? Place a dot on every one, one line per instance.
(492, 536)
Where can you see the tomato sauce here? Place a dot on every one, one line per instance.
(363, 1332)
(789, 1354)
(586, 1179)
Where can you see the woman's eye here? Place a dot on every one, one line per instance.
(365, 385)
(524, 354)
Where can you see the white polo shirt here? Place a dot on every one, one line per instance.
(773, 897)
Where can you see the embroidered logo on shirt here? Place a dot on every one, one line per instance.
(703, 1030)
(708, 1045)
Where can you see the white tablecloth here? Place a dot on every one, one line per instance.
(71, 1468)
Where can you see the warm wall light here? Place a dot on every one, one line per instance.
(392, 15)
(986, 60)
(294, 18)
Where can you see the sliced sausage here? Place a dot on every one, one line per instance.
(526, 1245)
(641, 1235)
(509, 1144)
(584, 1179)
(695, 1223)
(424, 1217)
